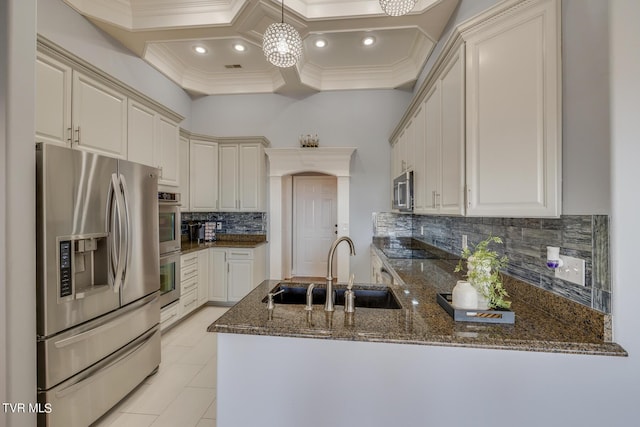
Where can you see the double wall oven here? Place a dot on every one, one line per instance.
(169, 238)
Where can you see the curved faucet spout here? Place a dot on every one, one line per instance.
(328, 303)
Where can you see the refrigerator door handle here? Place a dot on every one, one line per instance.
(117, 285)
(112, 223)
(127, 228)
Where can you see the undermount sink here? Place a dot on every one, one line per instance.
(296, 293)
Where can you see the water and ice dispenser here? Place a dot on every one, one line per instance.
(83, 265)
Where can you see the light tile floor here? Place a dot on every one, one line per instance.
(183, 391)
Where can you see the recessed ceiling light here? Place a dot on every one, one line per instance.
(368, 41)
(239, 47)
(200, 49)
(320, 43)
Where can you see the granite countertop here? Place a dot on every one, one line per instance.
(421, 320)
(225, 241)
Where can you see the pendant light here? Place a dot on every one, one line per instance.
(282, 44)
(397, 7)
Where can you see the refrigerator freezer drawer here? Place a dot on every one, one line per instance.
(87, 396)
(72, 351)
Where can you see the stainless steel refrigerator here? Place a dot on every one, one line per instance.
(98, 309)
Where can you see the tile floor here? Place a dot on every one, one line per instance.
(183, 391)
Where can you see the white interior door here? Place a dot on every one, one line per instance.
(314, 223)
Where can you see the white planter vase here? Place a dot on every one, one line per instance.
(481, 282)
(464, 296)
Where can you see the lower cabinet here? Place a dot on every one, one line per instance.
(169, 315)
(234, 272)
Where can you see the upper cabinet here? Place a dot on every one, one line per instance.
(242, 175)
(81, 107)
(485, 125)
(513, 113)
(75, 110)
(203, 176)
(53, 101)
(185, 196)
(99, 117)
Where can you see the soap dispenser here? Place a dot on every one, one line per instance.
(350, 297)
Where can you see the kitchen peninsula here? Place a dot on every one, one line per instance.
(350, 362)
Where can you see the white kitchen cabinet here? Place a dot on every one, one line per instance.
(234, 272)
(153, 140)
(513, 113)
(217, 275)
(167, 150)
(99, 116)
(442, 185)
(203, 176)
(53, 101)
(191, 282)
(75, 110)
(242, 176)
(203, 277)
(80, 107)
(141, 133)
(228, 177)
(184, 168)
(169, 315)
(419, 168)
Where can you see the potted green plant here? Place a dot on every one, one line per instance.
(483, 272)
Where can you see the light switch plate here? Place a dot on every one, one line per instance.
(572, 270)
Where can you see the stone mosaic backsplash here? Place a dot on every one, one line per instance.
(232, 222)
(525, 242)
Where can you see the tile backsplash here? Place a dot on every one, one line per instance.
(525, 242)
(232, 222)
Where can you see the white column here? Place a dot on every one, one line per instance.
(275, 227)
(343, 227)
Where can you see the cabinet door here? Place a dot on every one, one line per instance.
(513, 115)
(228, 177)
(99, 116)
(167, 151)
(240, 280)
(419, 168)
(217, 275)
(452, 177)
(251, 167)
(432, 148)
(53, 101)
(203, 277)
(203, 176)
(140, 134)
(184, 174)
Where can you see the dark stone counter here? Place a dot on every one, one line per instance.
(422, 321)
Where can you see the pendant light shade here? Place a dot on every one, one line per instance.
(281, 43)
(397, 7)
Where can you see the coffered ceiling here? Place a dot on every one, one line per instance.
(165, 32)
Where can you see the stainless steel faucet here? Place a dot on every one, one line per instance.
(328, 303)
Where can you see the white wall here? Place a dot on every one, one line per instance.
(64, 26)
(361, 119)
(17, 233)
(585, 121)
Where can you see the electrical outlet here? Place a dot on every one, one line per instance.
(465, 244)
(422, 230)
(219, 225)
(572, 270)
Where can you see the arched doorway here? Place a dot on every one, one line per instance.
(283, 164)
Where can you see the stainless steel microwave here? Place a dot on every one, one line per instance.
(403, 192)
